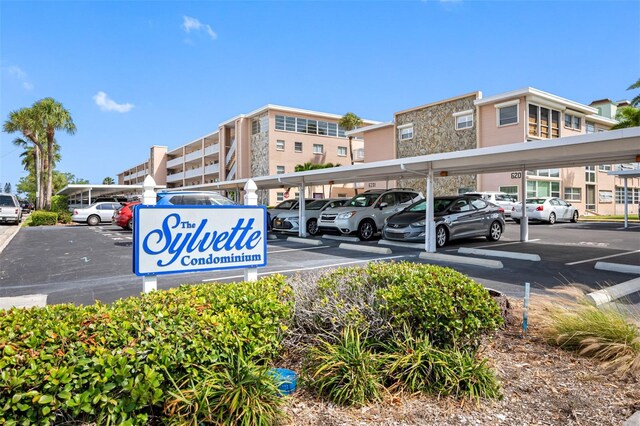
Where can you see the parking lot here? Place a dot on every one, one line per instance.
(81, 264)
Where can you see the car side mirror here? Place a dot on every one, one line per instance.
(568, 204)
(383, 205)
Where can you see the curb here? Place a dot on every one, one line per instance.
(7, 240)
(304, 241)
(487, 263)
(419, 246)
(618, 267)
(499, 253)
(342, 238)
(368, 249)
(614, 292)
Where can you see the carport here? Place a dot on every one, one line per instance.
(76, 192)
(624, 175)
(616, 146)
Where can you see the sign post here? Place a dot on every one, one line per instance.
(250, 199)
(149, 282)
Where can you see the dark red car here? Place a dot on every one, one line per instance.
(123, 217)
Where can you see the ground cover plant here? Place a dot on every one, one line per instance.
(120, 364)
(41, 218)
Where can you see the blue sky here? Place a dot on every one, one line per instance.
(142, 73)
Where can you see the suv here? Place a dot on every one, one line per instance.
(10, 210)
(192, 198)
(365, 213)
(502, 199)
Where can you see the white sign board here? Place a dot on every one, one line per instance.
(174, 239)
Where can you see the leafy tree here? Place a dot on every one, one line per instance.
(7, 188)
(108, 181)
(627, 117)
(350, 121)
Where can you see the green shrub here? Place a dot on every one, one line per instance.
(64, 217)
(40, 218)
(59, 203)
(412, 363)
(236, 392)
(347, 371)
(116, 364)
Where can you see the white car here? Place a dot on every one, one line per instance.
(502, 199)
(10, 210)
(288, 221)
(96, 213)
(546, 209)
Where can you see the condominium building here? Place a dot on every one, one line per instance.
(268, 141)
(471, 121)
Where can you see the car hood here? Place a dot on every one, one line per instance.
(406, 218)
(338, 210)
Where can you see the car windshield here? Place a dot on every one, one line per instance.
(6, 200)
(363, 200)
(535, 200)
(418, 207)
(316, 205)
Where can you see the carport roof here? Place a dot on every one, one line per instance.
(101, 190)
(616, 146)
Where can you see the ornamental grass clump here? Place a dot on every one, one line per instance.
(604, 334)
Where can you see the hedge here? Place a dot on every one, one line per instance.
(40, 218)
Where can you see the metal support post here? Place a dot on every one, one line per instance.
(149, 282)
(251, 199)
(524, 221)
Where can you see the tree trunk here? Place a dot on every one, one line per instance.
(49, 193)
(351, 149)
(38, 167)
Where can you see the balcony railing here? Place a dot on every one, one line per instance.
(212, 149)
(174, 177)
(193, 173)
(213, 168)
(175, 162)
(193, 155)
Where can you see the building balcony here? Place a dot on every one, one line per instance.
(213, 149)
(193, 173)
(213, 168)
(174, 162)
(175, 177)
(195, 155)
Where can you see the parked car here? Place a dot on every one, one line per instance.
(123, 217)
(288, 221)
(460, 216)
(546, 209)
(95, 213)
(192, 198)
(502, 199)
(288, 205)
(10, 210)
(26, 207)
(365, 213)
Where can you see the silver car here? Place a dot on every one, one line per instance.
(502, 199)
(288, 221)
(546, 209)
(365, 213)
(95, 213)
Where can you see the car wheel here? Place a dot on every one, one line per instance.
(442, 236)
(312, 227)
(495, 231)
(366, 229)
(574, 218)
(516, 220)
(552, 218)
(93, 220)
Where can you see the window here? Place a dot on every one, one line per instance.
(318, 148)
(255, 126)
(633, 195)
(259, 125)
(312, 127)
(304, 125)
(333, 129)
(605, 196)
(279, 196)
(590, 174)
(465, 189)
(590, 127)
(555, 173)
(604, 168)
(323, 128)
(573, 194)
(280, 145)
(544, 122)
(512, 190)
(290, 124)
(538, 188)
(341, 131)
(280, 170)
(464, 119)
(507, 113)
(279, 122)
(572, 121)
(478, 203)
(297, 146)
(406, 132)
(301, 125)
(342, 151)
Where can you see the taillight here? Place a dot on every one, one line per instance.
(540, 208)
(513, 209)
(75, 212)
(17, 211)
(501, 210)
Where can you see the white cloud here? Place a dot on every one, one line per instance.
(189, 24)
(17, 73)
(102, 100)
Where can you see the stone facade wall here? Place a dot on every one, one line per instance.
(260, 157)
(434, 132)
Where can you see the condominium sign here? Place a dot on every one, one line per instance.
(174, 239)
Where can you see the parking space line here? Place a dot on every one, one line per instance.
(603, 257)
(282, 271)
(297, 249)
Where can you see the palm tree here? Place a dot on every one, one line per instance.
(25, 120)
(53, 117)
(627, 117)
(635, 101)
(108, 181)
(350, 121)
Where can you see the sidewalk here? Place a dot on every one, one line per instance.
(6, 235)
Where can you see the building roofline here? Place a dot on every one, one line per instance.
(195, 140)
(360, 130)
(288, 109)
(602, 120)
(530, 91)
(478, 95)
